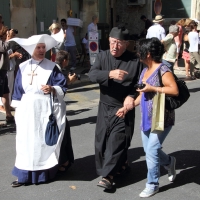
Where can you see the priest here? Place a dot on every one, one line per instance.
(37, 162)
(117, 71)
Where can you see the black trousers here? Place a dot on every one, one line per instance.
(112, 139)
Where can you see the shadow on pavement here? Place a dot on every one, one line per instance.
(187, 161)
(194, 90)
(70, 102)
(78, 122)
(83, 89)
(76, 112)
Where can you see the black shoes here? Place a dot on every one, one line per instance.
(16, 184)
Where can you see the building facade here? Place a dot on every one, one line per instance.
(35, 16)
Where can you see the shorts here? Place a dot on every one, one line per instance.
(186, 56)
(3, 83)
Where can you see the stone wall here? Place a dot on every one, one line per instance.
(130, 15)
(23, 17)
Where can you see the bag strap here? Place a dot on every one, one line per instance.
(51, 104)
(160, 77)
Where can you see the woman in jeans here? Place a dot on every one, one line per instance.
(150, 52)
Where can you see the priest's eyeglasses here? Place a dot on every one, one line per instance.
(119, 44)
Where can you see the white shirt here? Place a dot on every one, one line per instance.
(156, 30)
(92, 27)
(70, 40)
(194, 41)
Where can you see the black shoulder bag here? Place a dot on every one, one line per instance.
(174, 102)
(52, 131)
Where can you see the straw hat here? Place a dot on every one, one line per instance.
(158, 18)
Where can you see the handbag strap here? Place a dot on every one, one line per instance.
(160, 77)
(51, 104)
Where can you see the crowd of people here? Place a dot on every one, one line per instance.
(40, 87)
(182, 40)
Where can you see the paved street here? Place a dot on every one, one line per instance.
(182, 142)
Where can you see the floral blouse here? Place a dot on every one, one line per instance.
(146, 104)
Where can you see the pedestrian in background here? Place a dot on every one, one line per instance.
(169, 57)
(193, 38)
(151, 51)
(5, 35)
(66, 151)
(148, 24)
(55, 29)
(185, 54)
(70, 45)
(92, 27)
(156, 30)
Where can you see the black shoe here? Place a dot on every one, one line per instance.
(10, 120)
(193, 78)
(16, 184)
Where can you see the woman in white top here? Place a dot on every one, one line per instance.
(194, 48)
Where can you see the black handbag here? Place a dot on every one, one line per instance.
(52, 131)
(174, 102)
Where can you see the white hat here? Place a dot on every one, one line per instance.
(30, 43)
(158, 18)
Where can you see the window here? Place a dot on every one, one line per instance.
(174, 8)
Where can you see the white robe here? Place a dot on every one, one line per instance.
(32, 116)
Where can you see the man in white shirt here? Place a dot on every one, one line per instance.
(156, 30)
(169, 57)
(70, 45)
(92, 27)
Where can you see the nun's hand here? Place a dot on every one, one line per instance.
(47, 89)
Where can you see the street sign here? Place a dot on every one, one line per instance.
(93, 46)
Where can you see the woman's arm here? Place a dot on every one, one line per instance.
(169, 88)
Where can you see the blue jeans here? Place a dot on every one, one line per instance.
(152, 143)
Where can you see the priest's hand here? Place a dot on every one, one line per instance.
(47, 89)
(121, 112)
(117, 74)
(129, 103)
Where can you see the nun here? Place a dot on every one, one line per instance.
(36, 161)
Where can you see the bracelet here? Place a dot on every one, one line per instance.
(162, 89)
(157, 89)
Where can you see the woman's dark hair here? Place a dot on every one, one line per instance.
(61, 56)
(152, 46)
(192, 25)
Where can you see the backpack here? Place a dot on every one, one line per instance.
(174, 102)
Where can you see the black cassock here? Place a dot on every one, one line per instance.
(113, 134)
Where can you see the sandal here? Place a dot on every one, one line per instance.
(64, 168)
(10, 119)
(106, 183)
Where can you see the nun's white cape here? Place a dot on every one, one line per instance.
(32, 115)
